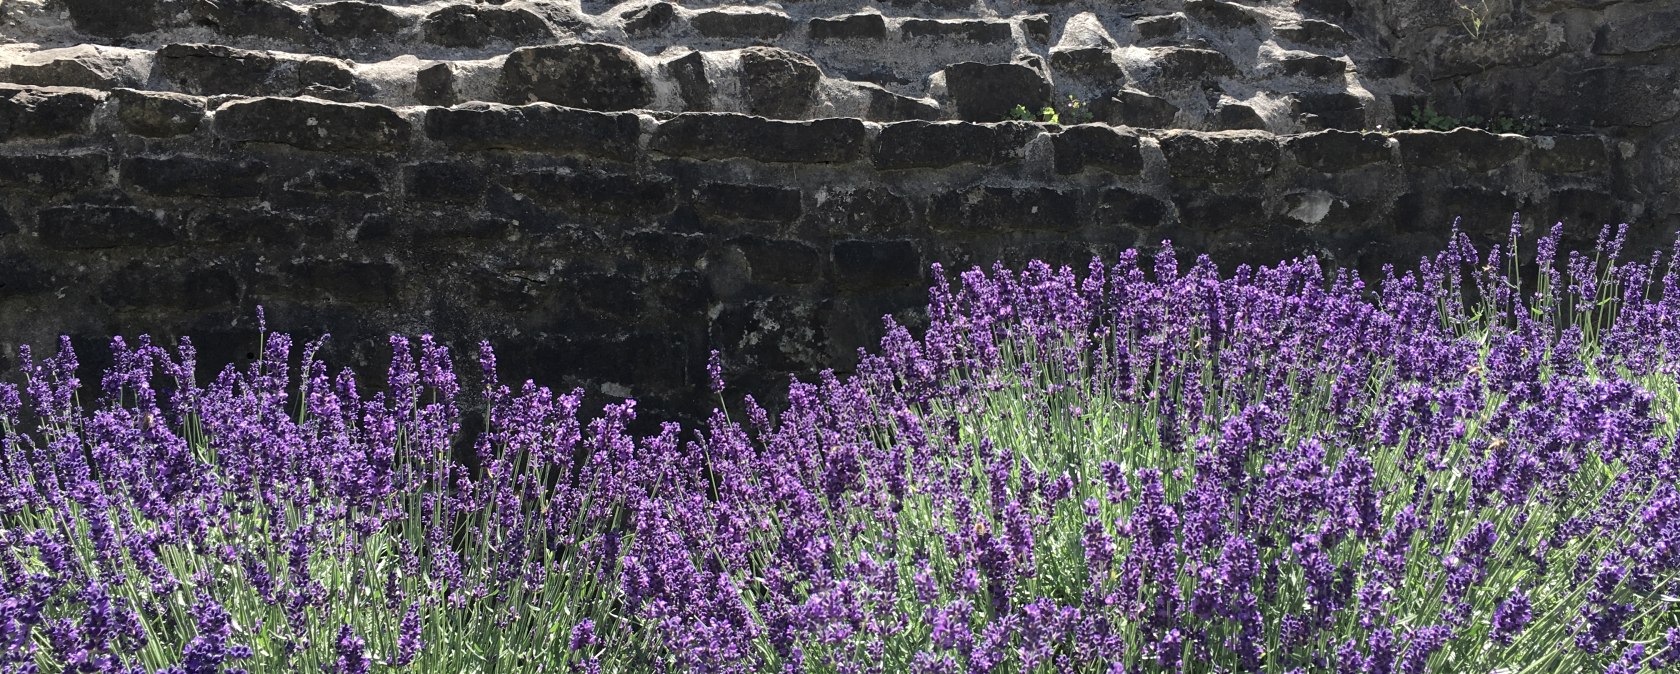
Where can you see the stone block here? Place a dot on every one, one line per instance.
(596, 193)
(158, 114)
(877, 264)
(336, 179)
(724, 201)
(1120, 207)
(1469, 149)
(1158, 27)
(183, 176)
(54, 174)
(1220, 14)
(1232, 115)
(1312, 65)
(46, 112)
(435, 85)
(253, 18)
(207, 69)
(1569, 154)
(354, 20)
(1220, 158)
(972, 30)
(689, 71)
(780, 261)
(87, 227)
(989, 209)
(480, 25)
(1037, 27)
(1330, 110)
(654, 18)
(263, 228)
(104, 18)
(985, 92)
(444, 182)
(886, 106)
(1483, 213)
(853, 27)
(734, 136)
(918, 144)
(864, 210)
(587, 75)
(1315, 33)
(777, 83)
(1098, 146)
(1637, 28)
(1619, 95)
(1333, 151)
(539, 127)
(1183, 66)
(1089, 63)
(313, 125)
(85, 65)
(1129, 107)
(740, 25)
(345, 281)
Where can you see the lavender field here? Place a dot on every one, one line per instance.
(1127, 468)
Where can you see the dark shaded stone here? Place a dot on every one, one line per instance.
(435, 85)
(85, 226)
(323, 72)
(259, 228)
(589, 75)
(597, 193)
(345, 281)
(877, 264)
(1181, 66)
(780, 261)
(653, 18)
(689, 71)
(208, 69)
(1329, 9)
(338, 179)
(431, 230)
(1315, 33)
(79, 66)
(1471, 149)
(987, 92)
(1634, 31)
(1582, 209)
(853, 27)
(1234, 116)
(886, 106)
(1333, 151)
(1333, 110)
(1220, 14)
(918, 144)
(8, 227)
(978, 31)
(539, 127)
(1037, 27)
(1122, 207)
(1157, 27)
(740, 24)
(356, 20)
(1484, 214)
(158, 114)
(863, 210)
(1569, 154)
(777, 83)
(45, 112)
(1619, 95)
(479, 25)
(444, 182)
(253, 18)
(748, 202)
(313, 125)
(142, 285)
(327, 93)
(1097, 145)
(730, 136)
(1006, 209)
(182, 176)
(105, 18)
(1220, 158)
(1312, 65)
(1090, 63)
(54, 174)
(1129, 107)
(1385, 67)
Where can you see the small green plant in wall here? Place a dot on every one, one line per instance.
(1076, 111)
(1425, 117)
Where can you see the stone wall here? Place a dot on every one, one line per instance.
(609, 191)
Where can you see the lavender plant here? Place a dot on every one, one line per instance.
(1140, 468)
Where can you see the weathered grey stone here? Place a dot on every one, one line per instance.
(735, 24)
(1157, 27)
(1037, 27)
(779, 261)
(263, 228)
(1333, 110)
(1471, 149)
(350, 19)
(987, 92)
(1118, 206)
(435, 85)
(1231, 115)
(654, 18)
(1618, 96)
(877, 264)
(1001, 209)
(346, 281)
(917, 144)
(1569, 154)
(105, 18)
(733, 202)
(777, 83)
(1385, 67)
(253, 18)
(54, 174)
(1220, 158)
(852, 27)
(325, 72)
(978, 31)
(313, 125)
(479, 25)
(444, 182)
(538, 127)
(1315, 33)
(732, 136)
(1220, 14)
(1482, 213)
(1087, 63)
(87, 226)
(183, 176)
(205, 69)
(1129, 107)
(1634, 28)
(886, 106)
(1312, 65)
(1097, 145)
(45, 112)
(158, 114)
(689, 71)
(1332, 151)
(86, 65)
(338, 179)
(864, 210)
(1182, 66)
(588, 75)
(596, 193)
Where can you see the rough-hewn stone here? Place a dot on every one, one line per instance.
(979, 31)
(45, 112)
(444, 182)
(538, 127)
(1331, 151)
(999, 209)
(852, 27)
(158, 114)
(777, 83)
(183, 176)
(89, 226)
(351, 19)
(689, 71)
(735, 202)
(1129, 107)
(1220, 158)
(1099, 146)
(313, 125)
(868, 264)
(986, 92)
(204, 69)
(732, 136)
(481, 25)
(54, 174)
(589, 75)
(650, 19)
(919, 144)
(1220, 14)
(598, 193)
(886, 106)
(1471, 149)
(253, 18)
(760, 25)
(91, 66)
(105, 18)
(435, 85)
(1157, 27)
